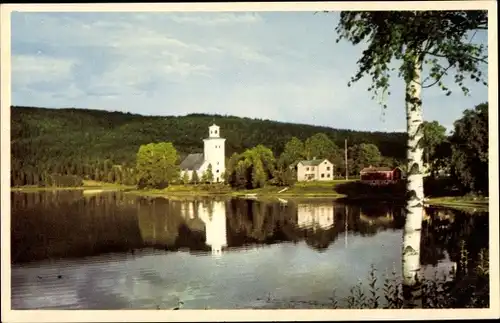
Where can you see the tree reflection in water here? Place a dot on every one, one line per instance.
(69, 224)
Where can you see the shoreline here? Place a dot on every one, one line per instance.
(324, 190)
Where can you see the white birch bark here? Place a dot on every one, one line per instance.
(415, 188)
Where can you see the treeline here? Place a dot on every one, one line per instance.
(256, 167)
(461, 159)
(52, 147)
(463, 156)
(102, 146)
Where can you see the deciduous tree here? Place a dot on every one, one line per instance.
(439, 40)
(433, 135)
(469, 145)
(157, 164)
(364, 155)
(294, 151)
(319, 146)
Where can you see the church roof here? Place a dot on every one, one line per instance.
(192, 162)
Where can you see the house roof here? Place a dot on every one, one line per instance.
(376, 169)
(312, 162)
(192, 162)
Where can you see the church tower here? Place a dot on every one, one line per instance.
(214, 152)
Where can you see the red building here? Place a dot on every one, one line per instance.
(380, 175)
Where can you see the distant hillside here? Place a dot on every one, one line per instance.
(41, 136)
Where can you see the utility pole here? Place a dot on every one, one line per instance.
(345, 151)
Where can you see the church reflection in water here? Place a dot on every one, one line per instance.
(120, 223)
(213, 215)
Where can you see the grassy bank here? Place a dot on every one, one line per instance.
(344, 190)
(461, 202)
(304, 190)
(87, 185)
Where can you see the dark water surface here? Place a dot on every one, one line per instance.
(115, 251)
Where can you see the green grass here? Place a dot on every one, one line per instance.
(307, 190)
(461, 202)
(300, 189)
(87, 184)
(180, 190)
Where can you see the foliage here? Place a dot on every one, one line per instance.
(319, 146)
(469, 145)
(251, 169)
(432, 37)
(284, 175)
(434, 135)
(208, 175)
(185, 178)
(362, 156)
(441, 159)
(454, 290)
(294, 150)
(195, 179)
(58, 180)
(415, 39)
(94, 140)
(156, 165)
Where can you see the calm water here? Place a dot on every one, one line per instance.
(115, 251)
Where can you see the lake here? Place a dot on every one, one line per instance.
(114, 250)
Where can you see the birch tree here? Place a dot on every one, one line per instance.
(440, 41)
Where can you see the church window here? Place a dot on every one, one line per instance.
(217, 171)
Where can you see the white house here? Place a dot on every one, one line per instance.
(315, 170)
(315, 216)
(214, 154)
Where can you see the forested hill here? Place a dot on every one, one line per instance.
(44, 136)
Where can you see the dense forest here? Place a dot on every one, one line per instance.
(62, 147)
(103, 145)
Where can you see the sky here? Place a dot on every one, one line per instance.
(283, 66)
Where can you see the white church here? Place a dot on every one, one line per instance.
(214, 154)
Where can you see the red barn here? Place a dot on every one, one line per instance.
(380, 175)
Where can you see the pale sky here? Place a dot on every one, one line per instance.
(283, 66)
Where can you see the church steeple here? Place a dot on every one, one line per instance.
(214, 152)
(214, 131)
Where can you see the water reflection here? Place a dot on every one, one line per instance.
(310, 248)
(68, 224)
(213, 217)
(315, 216)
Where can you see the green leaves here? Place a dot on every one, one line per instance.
(469, 145)
(364, 155)
(431, 37)
(157, 164)
(319, 146)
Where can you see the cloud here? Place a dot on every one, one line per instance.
(209, 19)
(275, 65)
(27, 69)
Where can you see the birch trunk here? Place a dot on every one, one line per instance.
(415, 191)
